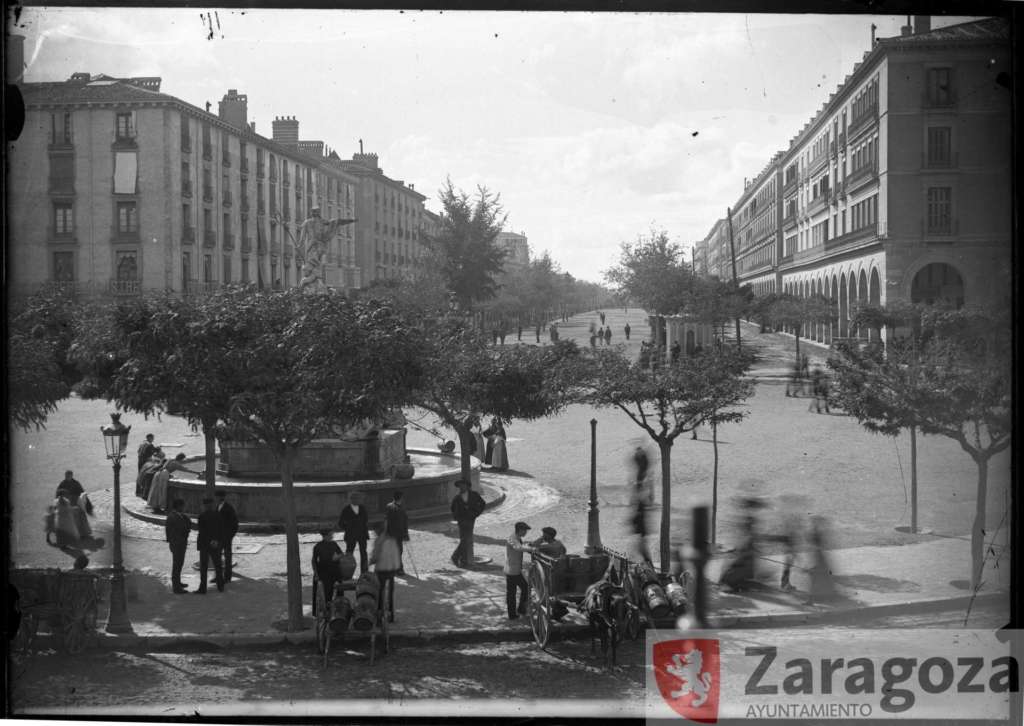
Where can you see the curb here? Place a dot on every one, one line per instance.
(134, 642)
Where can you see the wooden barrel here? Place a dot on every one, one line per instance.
(657, 603)
(366, 600)
(347, 564)
(677, 597)
(367, 583)
(364, 618)
(341, 613)
(646, 575)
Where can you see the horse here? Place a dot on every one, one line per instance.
(605, 604)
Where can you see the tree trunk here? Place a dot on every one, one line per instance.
(714, 484)
(291, 536)
(210, 443)
(466, 442)
(664, 546)
(913, 478)
(978, 529)
(797, 337)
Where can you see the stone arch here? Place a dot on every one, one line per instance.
(938, 282)
(862, 298)
(874, 296)
(844, 307)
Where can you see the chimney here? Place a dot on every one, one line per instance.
(922, 24)
(252, 125)
(15, 58)
(234, 109)
(906, 29)
(286, 131)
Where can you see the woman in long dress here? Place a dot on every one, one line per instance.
(157, 499)
(499, 454)
(478, 439)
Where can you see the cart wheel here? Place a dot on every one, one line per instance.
(74, 634)
(323, 624)
(78, 605)
(540, 606)
(26, 634)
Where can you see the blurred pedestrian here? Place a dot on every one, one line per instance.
(601, 314)
(73, 489)
(387, 562)
(823, 586)
(538, 333)
(519, 332)
(326, 565)
(600, 335)
(514, 580)
(641, 500)
(608, 335)
(229, 517)
(396, 523)
(355, 523)
(146, 449)
(466, 507)
(626, 330)
(489, 434)
(675, 351)
(795, 385)
(494, 333)
(176, 530)
(208, 542)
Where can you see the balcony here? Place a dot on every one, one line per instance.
(207, 193)
(790, 183)
(63, 185)
(945, 227)
(260, 172)
(243, 166)
(126, 142)
(858, 235)
(225, 158)
(864, 175)
(944, 101)
(229, 241)
(193, 286)
(69, 288)
(864, 121)
(246, 244)
(209, 238)
(126, 235)
(207, 150)
(243, 204)
(817, 163)
(817, 204)
(226, 199)
(186, 188)
(125, 287)
(186, 144)
(188, 234)
(61, 143)
(952, 161)
(790, 219)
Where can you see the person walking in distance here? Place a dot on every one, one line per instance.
(229, 517)
(608, 335)
(514, 580)
(208, 542)
(355, 522)
(626, 330)
(176, 529)
(641, 501)
(396, 523)
(466, 507)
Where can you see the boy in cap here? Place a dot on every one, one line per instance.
(548, 545)
(514, 549)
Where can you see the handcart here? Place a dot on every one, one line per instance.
(335, 616)
(65, 601)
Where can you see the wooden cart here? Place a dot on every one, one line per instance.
(328, 626)
(66, 601)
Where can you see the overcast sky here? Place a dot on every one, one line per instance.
(594, 127)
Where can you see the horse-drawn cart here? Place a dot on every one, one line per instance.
(65, 601)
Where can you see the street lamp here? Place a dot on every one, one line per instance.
(593, 545)
(115, 439)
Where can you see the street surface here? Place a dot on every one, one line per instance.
(184, 681)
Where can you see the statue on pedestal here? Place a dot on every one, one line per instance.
(314, 237)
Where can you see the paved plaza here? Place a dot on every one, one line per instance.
(799, 461)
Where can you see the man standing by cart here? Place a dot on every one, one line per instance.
(514, 580)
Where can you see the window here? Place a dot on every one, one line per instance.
(125, 126)
(127, 219)
(186, 179)
(126, 172)
(62, 173)
(127, 266)
(64, 266)
(227, 269)
(245, 269)
(207, 268)
(60, 129)
(940, 210)
(939, 146)
(939, 89)
(63, 219)
(227, 223)
(186, 269)
(207, 220)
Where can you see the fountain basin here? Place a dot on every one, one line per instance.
(260, 505)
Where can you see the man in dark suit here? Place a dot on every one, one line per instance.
(146, 449)
(176, 528)
(466, 507)
(229, 517)
(355, 521)
(208, 541)
(396, 522)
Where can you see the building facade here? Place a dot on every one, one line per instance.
(516, 247)
(115, 187)
(899, 188)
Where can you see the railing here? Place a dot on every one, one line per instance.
(791, 183)
(862, 122)
(943, 228)
(225, 159)
(260, 172)
(789, 219)
(125, 287)
(855, 236)
(226, 199)
(861, 175)
(952, 162)
(186, 188)
(927, 101)
(246, 244)
(70, 288)
(210, 238)
(62, 185)
(817, 204)
(188, 234)
(229, 241)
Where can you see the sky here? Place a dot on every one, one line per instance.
(595, 128)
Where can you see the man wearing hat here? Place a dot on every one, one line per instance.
(229, 520)
(514, 549)
(466, 507)
(548, 545)
(208, 542)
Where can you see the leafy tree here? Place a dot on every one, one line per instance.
(312, 364)
(464, 250)
(466, 381)
(795, 311)
(951, 377)
(671, 400)
(653, 273)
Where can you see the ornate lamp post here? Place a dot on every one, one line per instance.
(593, 523)
(115, 439)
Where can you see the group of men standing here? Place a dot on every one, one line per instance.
(216, 526)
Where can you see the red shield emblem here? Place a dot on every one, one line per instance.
(687, 673)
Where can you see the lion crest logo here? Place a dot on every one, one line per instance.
(687, 674)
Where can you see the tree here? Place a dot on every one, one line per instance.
(464, 249)
(760, 309)
(795, 311)
(952, 378)
(670, 400)
(653, 273)
(467, 381)
(311, 364)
